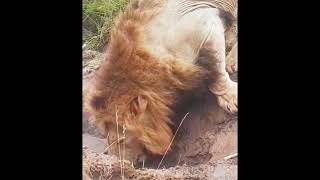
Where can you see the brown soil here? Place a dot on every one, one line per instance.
(198, 151)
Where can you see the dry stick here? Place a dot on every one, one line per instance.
(231, 156)
(172, 139)
(108, 137)
(124, 146)
(118, 142)
(107, 143)
(179, 160)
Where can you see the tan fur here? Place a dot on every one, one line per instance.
(136, 88)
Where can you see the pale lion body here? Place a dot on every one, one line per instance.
(184, 27)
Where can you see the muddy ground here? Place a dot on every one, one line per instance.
(198, 151)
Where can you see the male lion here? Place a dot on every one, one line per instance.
(152, 61)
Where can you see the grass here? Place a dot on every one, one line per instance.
(172, 140)
(98, 17)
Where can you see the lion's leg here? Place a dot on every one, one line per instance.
(231, 37)
(232, 60)
(222, 86)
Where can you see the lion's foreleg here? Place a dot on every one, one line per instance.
(222, 86)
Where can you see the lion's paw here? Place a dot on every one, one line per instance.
(229, 100)
(232, 68)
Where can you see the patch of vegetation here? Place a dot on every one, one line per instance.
(98, 17)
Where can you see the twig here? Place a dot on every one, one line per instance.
(118, 142)
(107, 142)
(230, 156)
(108, 137)
(179, 160)
(124, 146)
(172, 139)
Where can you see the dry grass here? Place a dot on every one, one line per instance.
(124, 148)
(172, 140)
(119, 147)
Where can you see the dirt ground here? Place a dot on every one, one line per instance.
(198, 152)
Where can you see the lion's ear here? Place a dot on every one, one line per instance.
(138, 105)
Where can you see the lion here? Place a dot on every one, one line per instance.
(151, 65)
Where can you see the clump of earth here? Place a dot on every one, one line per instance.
(204, 149)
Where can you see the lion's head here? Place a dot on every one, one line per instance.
(135, 92)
